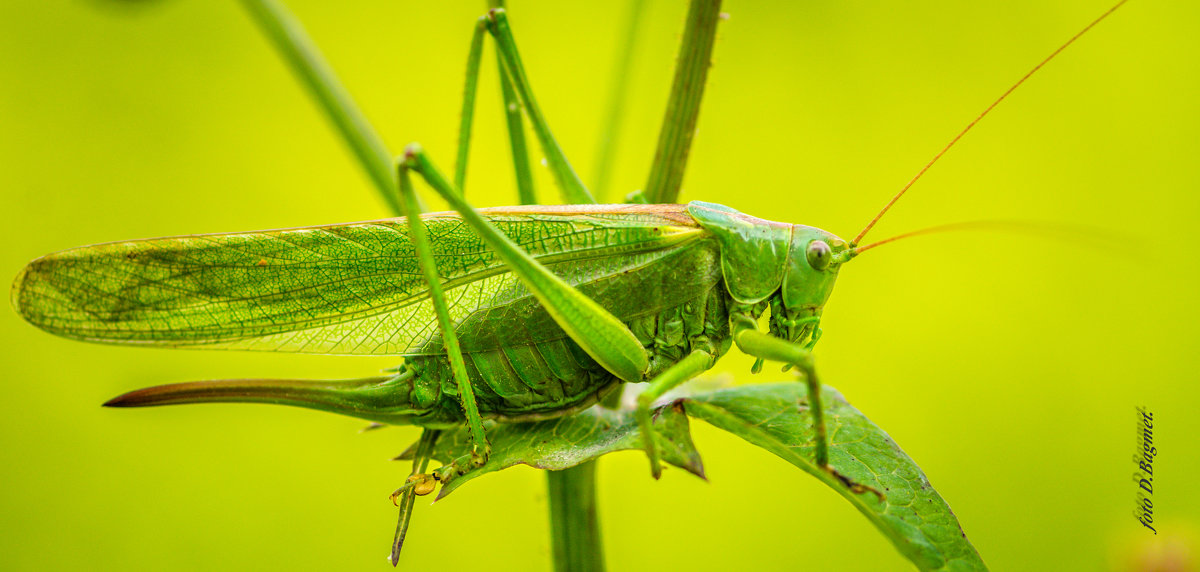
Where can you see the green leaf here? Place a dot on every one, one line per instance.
(773, 416)
(913, 516)
(565, 442)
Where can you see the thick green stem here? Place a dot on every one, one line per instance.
(683, 107)
(574, 524)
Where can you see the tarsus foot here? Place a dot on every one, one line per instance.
(421, 485)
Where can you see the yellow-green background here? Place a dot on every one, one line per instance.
(1007, 366)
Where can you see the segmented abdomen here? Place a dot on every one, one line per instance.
(673, 306)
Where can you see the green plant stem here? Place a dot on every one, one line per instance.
(574, 526)
(683, 105)
(302, 55)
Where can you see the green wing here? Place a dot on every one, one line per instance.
(342, 289)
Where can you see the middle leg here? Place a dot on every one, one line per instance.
(695, 363)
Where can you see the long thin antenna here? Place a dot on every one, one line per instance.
(1080, 235)
(895, 198)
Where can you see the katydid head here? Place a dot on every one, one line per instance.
(790, 266)
(814, 258)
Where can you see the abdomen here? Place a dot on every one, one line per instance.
(673, 303)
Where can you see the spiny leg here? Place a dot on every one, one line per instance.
(513, 69)
(516, 128)
(480, 449)
(596, 330)
(696, 362)
(764, 346)
(604, 337)
(515, 90)
(600, 334)
(516, 139)
(468, 104)
(418, 484)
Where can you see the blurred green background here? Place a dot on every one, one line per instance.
(1008, 366)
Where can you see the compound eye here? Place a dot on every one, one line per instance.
(819, 255)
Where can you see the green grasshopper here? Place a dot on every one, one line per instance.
(509, 314)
